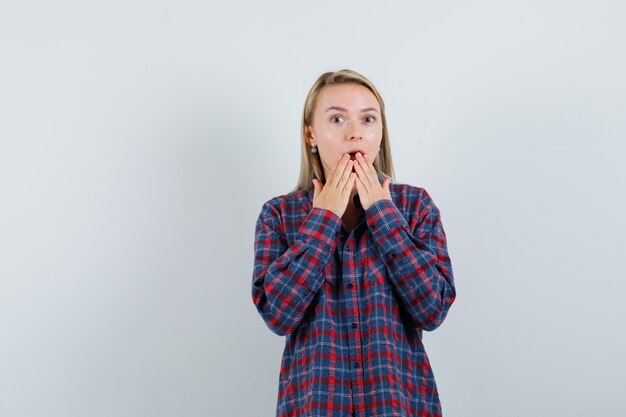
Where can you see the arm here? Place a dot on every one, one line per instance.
(416, 257)
(286, 278)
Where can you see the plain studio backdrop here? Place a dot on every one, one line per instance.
(139, 140)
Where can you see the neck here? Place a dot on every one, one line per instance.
(351, 206)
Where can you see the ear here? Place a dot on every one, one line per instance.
(309, 135)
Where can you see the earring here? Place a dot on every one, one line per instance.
(313, 150)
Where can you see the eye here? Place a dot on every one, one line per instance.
(335, 117)
(370, 117)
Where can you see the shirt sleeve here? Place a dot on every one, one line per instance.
(416, 258)
(286, 278)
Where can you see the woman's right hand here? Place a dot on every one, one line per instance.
(335, 193)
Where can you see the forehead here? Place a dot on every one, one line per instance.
(350, 96)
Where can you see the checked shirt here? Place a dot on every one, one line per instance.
(352, 305)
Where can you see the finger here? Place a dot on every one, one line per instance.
(348, 167)
(386, 184)
(347, 188)
(341, 175)
(340, 171)
(334, 170)
(360, 188)
(368, 168)
(346, 174)
(370, 164)
(317, 187)
(363, 175)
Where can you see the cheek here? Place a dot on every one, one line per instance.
(375, 132)
(327, 163)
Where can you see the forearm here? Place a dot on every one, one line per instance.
(285, 279)
(417, 261)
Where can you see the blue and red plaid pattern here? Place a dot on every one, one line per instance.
(353, 304)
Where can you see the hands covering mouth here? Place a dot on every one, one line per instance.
(334, 194)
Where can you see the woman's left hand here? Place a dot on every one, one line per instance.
(367, 184)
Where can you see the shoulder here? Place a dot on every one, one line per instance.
(414, 203)
(410, 195)
(280, 207)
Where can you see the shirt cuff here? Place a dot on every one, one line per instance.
(323, 225)
(383, 217)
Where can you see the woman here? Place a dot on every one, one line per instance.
(351, 267)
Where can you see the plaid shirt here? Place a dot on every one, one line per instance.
(353, 304)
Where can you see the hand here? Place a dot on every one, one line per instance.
(367, 184)
(334, 195)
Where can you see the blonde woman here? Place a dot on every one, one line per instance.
(351, 267)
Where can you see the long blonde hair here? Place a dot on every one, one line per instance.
(310, 163)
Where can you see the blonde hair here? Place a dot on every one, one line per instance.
(310, 163)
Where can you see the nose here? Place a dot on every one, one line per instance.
(354, 132)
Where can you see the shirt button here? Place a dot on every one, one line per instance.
(354, 325)
(347, 248)
(356, 364)
(349, 285)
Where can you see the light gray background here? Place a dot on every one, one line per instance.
(139, 140)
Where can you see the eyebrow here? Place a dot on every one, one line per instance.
(342, 109)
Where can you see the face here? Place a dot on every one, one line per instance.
(346, 118)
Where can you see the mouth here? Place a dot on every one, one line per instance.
(353, 152)
(353, 158)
